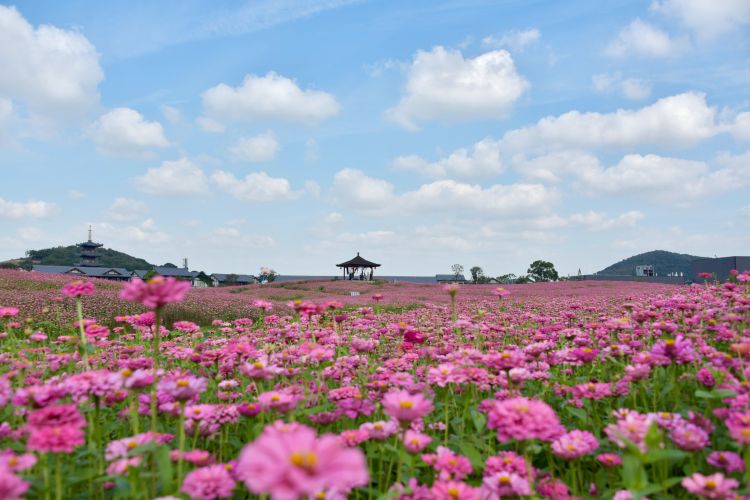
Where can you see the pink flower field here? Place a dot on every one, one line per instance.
(301, 390)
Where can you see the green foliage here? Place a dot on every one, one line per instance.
(507, 279)
(68, 256)
(542, 270)
(663, 262)
(477, 275)
(170, 265)
(205, 278)
(522, 280)
(231, 279)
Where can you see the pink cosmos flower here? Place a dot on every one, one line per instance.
(156, 292)
(8, 312)
(727, 460)
(453, 490)
(574, 444)
(12, 487)
(713, 486)
(404, 406)
(289, 461)
(500, 292)
(522, 418)
(415, 442)
(208, 483)
(380, 430)
(78, 288)
(16, 463)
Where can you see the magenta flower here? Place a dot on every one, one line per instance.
(55, 439)
(609, 460)
(727, 460)
(182, 387)
(500, 292)
(415, 442)
(523, 418)
(208, 483)
(290, 461)
(713, 486)
(12, 487)
(505, 484)
(574, 444)
(453, 490)
(8, 312)
(405, 407)
(78, 289)
(156, 292)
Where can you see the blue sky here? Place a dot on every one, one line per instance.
(293, 134)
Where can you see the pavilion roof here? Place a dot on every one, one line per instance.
(358, 262)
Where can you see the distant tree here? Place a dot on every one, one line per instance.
(170, 265)
(541, 270)
(267, 275)
(149, 275)
(8, 265)
(205, 278)
(522, 279)
(506, 279)
(477, 275)
(457, 269)
(231, 279)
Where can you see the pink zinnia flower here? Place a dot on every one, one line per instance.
(156, 292)
(404, 406)
(505, 484)
(726, 460)
(453, 490)
(523, 418)
(55, 439)
(8, 312)
(208, 483)
(289, 461)
(78, 288)
(574, 444)
(609, 460)
(380, 430)
(713, 486)
(416, 441)
(183, 387)
(186, 326)
(12, 487)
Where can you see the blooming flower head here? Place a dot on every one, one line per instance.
(12, 487)
(574, 444)
(182, 387)
(713, 486)
(609, 460)
(523, 418)
(208, 483)
(500, 292)
(8, 312)
(449, 464)
(453, 490)
(404, 406)
(630, 425)
(726, 460)
(156, 292)
(505, 484)
(78, 289)
(416, 441)
(290, 461)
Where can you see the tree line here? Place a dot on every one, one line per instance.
(538, 271)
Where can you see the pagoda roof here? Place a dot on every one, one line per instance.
(358, 262)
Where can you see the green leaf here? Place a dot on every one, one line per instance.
(472, 454)
(633, 473)
(479, 419)
(576, 412)
(164, 468)
(654, 437)
(653, 456)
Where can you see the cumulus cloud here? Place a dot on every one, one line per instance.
(443, 85)
(178, 177)
(146, 231)
(740, 129)
(706, 19)
(53, 72)
(256, 186)
(255, 149)
(634, 89)
(126, 209)
(642, 39)
(124, 132)
(514, 39)
(6, 115)
(679, 120)
(354, 189)
(483, 159)
(21, 209)
(271, 96)
(600, 221)
(171, 114)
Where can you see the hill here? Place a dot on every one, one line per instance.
(664, 262)
(68, 256)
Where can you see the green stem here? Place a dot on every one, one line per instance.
(84, 353)
(181, 443)
(58, 478)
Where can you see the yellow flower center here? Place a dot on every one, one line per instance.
(182, 383)
(504, 480)
(127, 372)
(132, 444)
(304, 460)
(406, 405)
(275, 398)
(453, 492)
(710, 484)
(258, 364)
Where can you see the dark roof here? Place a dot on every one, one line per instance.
(241, 278)
(141, 273)
(358, 262)
(449, 277)
(93, 272)
(180, 272)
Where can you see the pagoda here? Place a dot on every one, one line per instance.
(87, 251)
(359, 265)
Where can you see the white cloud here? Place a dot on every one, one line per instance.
(514, 39)
(171, 114)
(642, 39)
(178, 177)
(740, 129)
(313, 188)
(745, 211)
(257, 186)
(123, 131)
(53, 72)
(443, 85)
(272, 97)
(484, 159)
(354, 189)
(599, 221)
(146, 231)
(679, 120)
(31, 234)
(22, 209)
(74, 194)
(707, 19)
(256, 149)
(632, 88)
(6, 115)
(125, 209)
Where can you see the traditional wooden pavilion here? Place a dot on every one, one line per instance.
(358, 265)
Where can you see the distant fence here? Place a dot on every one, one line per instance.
(669, 280)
